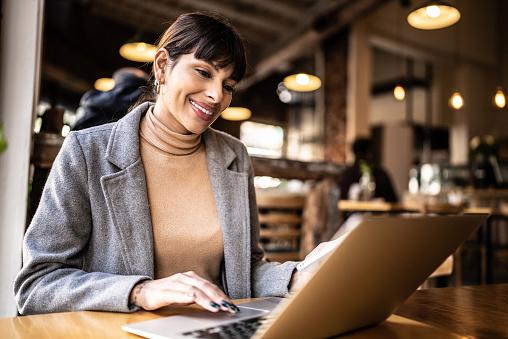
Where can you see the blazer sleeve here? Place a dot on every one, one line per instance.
(52, 278)
(268, 278)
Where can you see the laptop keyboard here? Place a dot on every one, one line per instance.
(241, 329)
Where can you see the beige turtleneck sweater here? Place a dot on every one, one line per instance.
(186, 230)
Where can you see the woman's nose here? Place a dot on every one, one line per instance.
(214, 92)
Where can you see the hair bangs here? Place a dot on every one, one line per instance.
(223, 49)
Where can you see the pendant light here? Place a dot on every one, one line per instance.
(399, 92)
(499, 98)
(104, 84)
(302, 82)
(433, 15)
(236, 113)
(136, 49)
(456, 101)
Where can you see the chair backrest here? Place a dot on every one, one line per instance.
(280, 219)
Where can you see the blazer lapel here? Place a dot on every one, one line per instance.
(231, 197)
(126, 196)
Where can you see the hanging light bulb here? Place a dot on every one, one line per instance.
(456, 101)
(236, 113)
(302, 82)
(433, 15)
(499, 98)
(104, 84)
(138, 51)
(399, 92)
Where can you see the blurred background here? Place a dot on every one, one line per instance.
(424, 81)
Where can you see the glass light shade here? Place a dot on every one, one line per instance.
(104, 84)
(456, 101)
(433, 15)
(499, 98)
(138, 51)
(302, 82)
(399, 92)
(236, 113)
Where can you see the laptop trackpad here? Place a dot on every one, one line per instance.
(192, 321)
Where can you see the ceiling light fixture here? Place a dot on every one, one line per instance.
(236, 113)
(399, 92)
(302, 82)
(138, 51)
(456, 101)
(433, 15)
(499, 98)
(104, 84)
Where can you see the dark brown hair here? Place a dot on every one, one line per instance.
(210, 37)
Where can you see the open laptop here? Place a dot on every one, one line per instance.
(375, 269)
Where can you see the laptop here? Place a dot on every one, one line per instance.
(376, 267)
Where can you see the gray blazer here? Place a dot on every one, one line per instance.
(91, 240)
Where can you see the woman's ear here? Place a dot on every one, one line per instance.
(161, 62)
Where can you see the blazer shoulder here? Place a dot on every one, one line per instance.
(94, 135)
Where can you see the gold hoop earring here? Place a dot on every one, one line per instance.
(157, 86)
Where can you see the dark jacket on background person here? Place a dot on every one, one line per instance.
(104, 107)
(384, 187)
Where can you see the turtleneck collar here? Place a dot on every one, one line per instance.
(164, 139)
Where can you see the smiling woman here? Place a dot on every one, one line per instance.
(156, 209)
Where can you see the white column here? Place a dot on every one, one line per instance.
(20, 39)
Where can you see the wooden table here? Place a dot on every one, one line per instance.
(479, 311)
(473, 311)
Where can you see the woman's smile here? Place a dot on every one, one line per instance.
(203, 111)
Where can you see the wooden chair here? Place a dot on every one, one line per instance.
(280, 219)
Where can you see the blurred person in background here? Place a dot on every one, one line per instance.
(98, 107)
(364, 180)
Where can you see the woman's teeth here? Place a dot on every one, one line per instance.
(202, 109)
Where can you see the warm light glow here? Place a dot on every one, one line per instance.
(456, 101)
(302, 79)
(433, 15)
(433, 11)
(236, 113)
(302, 82)
(500, 98)
(138, 51)
(399, 92)
(104, 84)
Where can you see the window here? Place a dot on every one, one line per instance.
(262, 139)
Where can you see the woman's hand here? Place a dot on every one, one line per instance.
(180, 289)
(299, 279)
(309, 266)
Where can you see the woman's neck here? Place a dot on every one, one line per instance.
(168, 119)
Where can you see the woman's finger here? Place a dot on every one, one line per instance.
(211, 290)
(182, 293)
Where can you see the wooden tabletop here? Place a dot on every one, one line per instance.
(473, 311)
(479, 311)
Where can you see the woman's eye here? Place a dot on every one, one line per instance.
(203, 73)
(229, 88)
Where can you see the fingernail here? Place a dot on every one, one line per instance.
(214, 305)
(232, 308)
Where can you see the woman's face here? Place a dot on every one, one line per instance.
(193, 91)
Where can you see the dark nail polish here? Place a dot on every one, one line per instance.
(232, 308)
(214, 304)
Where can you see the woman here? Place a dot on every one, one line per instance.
(157, 209)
